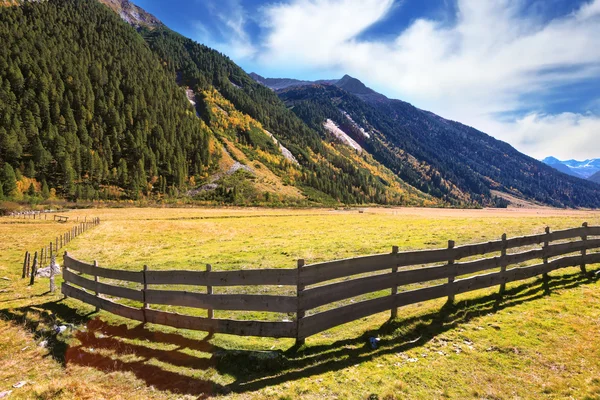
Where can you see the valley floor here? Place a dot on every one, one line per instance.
(535, 342)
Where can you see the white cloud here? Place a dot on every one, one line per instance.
(233, 40)
(308, 31)
(481, 65)
(562, 135)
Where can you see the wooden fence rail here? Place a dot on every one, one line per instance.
(47, 252)
(324, 284)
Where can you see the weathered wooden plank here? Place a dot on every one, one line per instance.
(106, 305)
(89, 269)
(328, 319)
(99, 287)
(322, 272)
(316, 297)
(423, 294)
(566, 234)
(593, 231)
(331, 318)
(326, 271)
(471, 267)
(240, 302)
(551, 251)
(232, 327)
(223, 278)
(525, 241)
(571, 247)
(476, 249)
(516, 274)
(542, 237)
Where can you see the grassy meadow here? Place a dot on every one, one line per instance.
(536, 342)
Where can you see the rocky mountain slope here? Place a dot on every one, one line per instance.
(441, 157)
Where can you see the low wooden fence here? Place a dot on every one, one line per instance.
(325, 284)
(30, 266)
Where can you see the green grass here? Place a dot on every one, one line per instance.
(537, 341)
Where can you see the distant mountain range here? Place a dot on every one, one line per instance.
(282, 83)
(437, 156)
(581, 169)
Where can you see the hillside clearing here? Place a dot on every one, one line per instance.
(536, 342)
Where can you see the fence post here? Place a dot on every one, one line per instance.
(451, 275)
(65, 268)
(96, 280)
(546, 244)
(503, 263)
(51, 251)
(25, 265)
(299, 312)
(28, 264)
(584, 251)
(33, 269)
(145, 306)
(209, 291)
(394, 312)
(52, 285)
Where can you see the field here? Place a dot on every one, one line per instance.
(537, 341)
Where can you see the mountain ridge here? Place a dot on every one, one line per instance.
(472, 160)
(582, 169)
(595, 178)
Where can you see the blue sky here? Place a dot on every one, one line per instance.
(524, 71)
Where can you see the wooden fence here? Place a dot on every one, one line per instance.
(30, 266)
(448, 272)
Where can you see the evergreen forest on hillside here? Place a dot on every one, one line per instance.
(88, 110)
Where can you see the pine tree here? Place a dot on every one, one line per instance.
(45, 190)
(31, 190)
(8, 179)
(30, 169)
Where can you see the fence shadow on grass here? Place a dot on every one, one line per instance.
(401, 334)
(154, 356)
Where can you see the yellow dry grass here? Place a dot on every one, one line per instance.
(534, 343)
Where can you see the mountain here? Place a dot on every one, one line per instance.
(595, 178)
(357, 88)
(441, 157)
(560, 166)
(133, 14)
(582, 169)
(327, 172)
(102, 101)
(282, 83)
